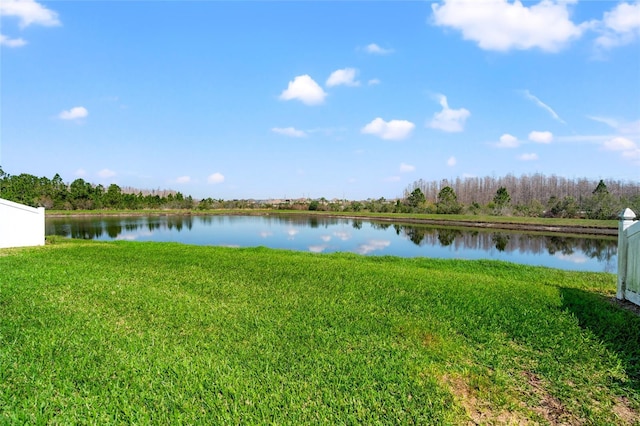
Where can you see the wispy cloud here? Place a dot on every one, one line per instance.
(624, 127)
(406, 168)
(626, 141)
(183, 179)
(377, 50)
(289, 131)
(452, 161)
(542, 105)
(343, 77)
(528, 157)
(12, 42)
(106, 173)
(628, 148)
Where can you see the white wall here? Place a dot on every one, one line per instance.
(20, 225)
(629, 257)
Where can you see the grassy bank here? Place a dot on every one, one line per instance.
(124, 332)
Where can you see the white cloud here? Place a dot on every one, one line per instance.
(620, 26)
(449, 120)
(289, 131)
(215, 178)
(502, 25)
(29, 12)
(305, 89)
(74, 113)
(390, 130)
(377, 50)
(406, 168)
(326, 238)
(80, 172)
(628, 148)
(343, 77)
(508, 141)
(11, 42)
(317, 249)
(541, 137)
(374, 82)
(106, 173)
(451, 161)
(183, 179)
(621, 144)
(542, 105)
(528, 157)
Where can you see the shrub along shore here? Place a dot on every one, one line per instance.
(125, 332)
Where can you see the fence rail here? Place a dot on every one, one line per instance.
(629, 257)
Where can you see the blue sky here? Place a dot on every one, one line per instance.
(318, 99)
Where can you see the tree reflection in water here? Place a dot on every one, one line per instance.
(574, 248)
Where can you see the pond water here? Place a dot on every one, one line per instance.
(323, 235)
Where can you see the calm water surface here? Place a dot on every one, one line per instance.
(324, 235)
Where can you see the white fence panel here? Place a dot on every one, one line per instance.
(20, 225)
(629, 257)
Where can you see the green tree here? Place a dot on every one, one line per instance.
(113, 197)
(502, 197)
(416, 199)
(601, 205)
(81, 194)
(448, 201)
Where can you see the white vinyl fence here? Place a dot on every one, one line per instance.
(20, 225)
(629, 257)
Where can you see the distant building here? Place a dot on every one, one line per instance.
(20, 225)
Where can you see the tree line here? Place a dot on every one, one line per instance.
(534, 195)
(55, 194)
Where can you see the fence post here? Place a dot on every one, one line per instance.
(626, 220)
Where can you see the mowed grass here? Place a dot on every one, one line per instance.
(161, 333)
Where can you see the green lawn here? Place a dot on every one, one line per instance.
(121, 332)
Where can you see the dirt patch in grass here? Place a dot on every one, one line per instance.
(625, 413)
(480, 412)
(549, 407)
